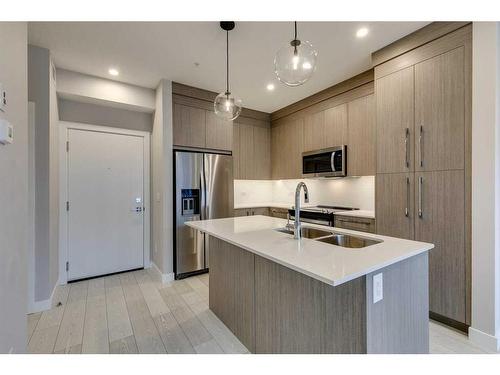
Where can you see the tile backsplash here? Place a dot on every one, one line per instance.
(356, 192)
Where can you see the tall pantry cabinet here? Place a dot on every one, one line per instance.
(423, 162)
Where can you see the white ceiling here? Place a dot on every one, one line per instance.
(145, 52)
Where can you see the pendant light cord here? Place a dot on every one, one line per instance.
(295, 41)
(227, 62)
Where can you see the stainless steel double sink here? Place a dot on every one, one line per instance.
(332, 237)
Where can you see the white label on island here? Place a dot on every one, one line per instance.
(378, 287)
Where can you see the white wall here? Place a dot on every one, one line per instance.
(162, 181)
(14, 190)
(53, 180)
(485, 329)
(41, 91)
(93, 114)
(82, 87)
(356, 192)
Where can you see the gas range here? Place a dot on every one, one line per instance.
(320, 214)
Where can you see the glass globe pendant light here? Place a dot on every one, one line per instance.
(295, 62)
(227, 105)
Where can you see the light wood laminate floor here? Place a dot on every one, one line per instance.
(134, 313)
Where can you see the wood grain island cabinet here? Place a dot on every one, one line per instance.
(274, 309)
(423, 183)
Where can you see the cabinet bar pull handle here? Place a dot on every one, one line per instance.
(420, 181)
(420, 146)
(407, 209)
(407, 149)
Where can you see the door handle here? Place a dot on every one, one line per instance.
(407, 208)
(420, 146)
(407, 149)
(420, 182)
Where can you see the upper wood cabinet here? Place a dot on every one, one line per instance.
(201, 128)
(189, 126)
(335, 126)
(361, 155)
(251, 151)
(326, 128)
(219, 132)
(395, 130)
(286, 149)
(314, 131)
(262, 152)
(439, 112)
(351, 123)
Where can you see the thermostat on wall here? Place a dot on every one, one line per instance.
(6, 132)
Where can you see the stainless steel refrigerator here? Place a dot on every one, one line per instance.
(203, 190)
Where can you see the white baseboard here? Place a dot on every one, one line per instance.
(484, 340)
(163, 277)
(46, 304)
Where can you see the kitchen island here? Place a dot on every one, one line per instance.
(281, 295)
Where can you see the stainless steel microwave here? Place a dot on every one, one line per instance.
(328, 162)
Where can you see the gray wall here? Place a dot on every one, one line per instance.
(14, 190)
(162, 180)
(94, 114)
(41, 91)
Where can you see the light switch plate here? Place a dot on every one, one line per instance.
(3, 98)
(378, 287)
(6, 132)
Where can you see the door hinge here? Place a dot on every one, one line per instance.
(67, 146)
(67, 205)
(67, 266)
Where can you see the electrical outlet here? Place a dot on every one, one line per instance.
(378, 287)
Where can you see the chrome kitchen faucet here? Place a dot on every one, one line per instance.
(297, 226)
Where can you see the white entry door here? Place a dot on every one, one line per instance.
(105, 211)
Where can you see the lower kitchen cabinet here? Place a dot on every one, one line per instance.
(394, 204)
(251, 211)
(362, 224)
(440, 220)
(281, 213)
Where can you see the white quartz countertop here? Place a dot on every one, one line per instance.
(330, 264)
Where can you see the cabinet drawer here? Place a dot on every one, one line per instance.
(355, 223)
(251, 211)
(281, 213)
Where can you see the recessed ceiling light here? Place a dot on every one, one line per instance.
(361, 33)
(270, 87)
(113, 72)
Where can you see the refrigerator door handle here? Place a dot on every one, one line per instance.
(203, 196)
